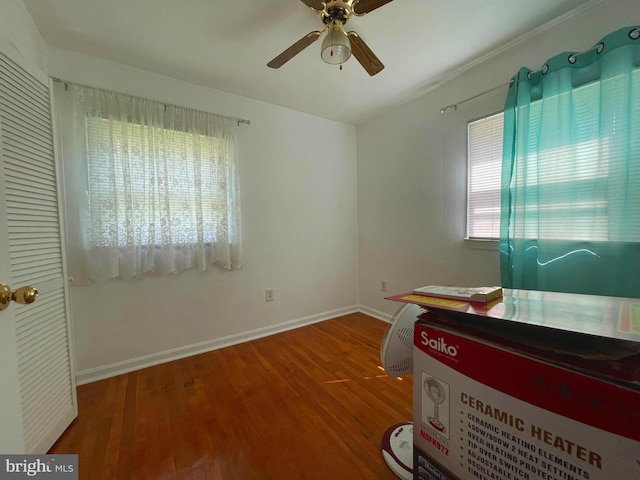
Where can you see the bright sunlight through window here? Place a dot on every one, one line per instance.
(484, 163)
(154, 188)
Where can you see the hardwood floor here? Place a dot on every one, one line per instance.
(311, 403)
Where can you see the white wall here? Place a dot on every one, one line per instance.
(412, 168)
(298, 197)
(19, 33)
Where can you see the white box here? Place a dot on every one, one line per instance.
(485, 410)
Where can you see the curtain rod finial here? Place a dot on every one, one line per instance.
(448, 107)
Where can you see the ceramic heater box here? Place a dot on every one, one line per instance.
(488, 406)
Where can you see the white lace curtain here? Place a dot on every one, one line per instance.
(150, 187)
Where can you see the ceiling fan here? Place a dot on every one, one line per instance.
(337, 45)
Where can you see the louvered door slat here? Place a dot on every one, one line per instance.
(46, 249)
(37, 320)
(47, 386)
(25, 153)
(48, 390)
(30, 93)
(20, 77)
(19, 182)
(31, 221)
(34, 198)
(18, 84)
(23, 239)
(25, 263)
(51, 417)
(41, 203)
(13, 104)
(48, 230)
(13, 148)
(35, 255)
(37, 275)
(47, 266)
(32, 159)
(40, 325)
(22, 204)
(35, 172)
(32, 365)
(20, 127)
(42, 226)
(32, 210)
(46, 302)
(23, 247)
(31, 120)
(47, 261)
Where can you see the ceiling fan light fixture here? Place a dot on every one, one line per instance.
(336, 47)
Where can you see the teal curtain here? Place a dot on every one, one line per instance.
(570, 199)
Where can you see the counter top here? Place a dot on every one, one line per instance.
(610, 317)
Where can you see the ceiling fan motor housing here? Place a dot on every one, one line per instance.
(335, 11)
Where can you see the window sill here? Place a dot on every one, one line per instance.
(482, 243)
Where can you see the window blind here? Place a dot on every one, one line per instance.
(484, 161)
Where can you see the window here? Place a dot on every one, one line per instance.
(570, 209)
(484, 163)
(157, 187)
(567, 181)
(159, 194)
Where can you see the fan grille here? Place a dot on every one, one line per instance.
(405, 335)
(396, 351)
(401, 368)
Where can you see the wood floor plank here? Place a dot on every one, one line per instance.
(309, 403)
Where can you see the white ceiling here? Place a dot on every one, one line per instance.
(226, 44)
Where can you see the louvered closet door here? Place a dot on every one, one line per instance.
(35, 353)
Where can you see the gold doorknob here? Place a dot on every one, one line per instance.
(24, 295)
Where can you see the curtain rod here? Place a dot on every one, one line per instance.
(454, 106)
(67, 83)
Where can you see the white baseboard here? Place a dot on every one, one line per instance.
(385, 317)
(118, 368)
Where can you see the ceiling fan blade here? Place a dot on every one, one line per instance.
(294, 49)
(364, 54)
(361, 7)
(315, 4)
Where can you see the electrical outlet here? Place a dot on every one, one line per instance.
(383, 285)
(268, 295)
